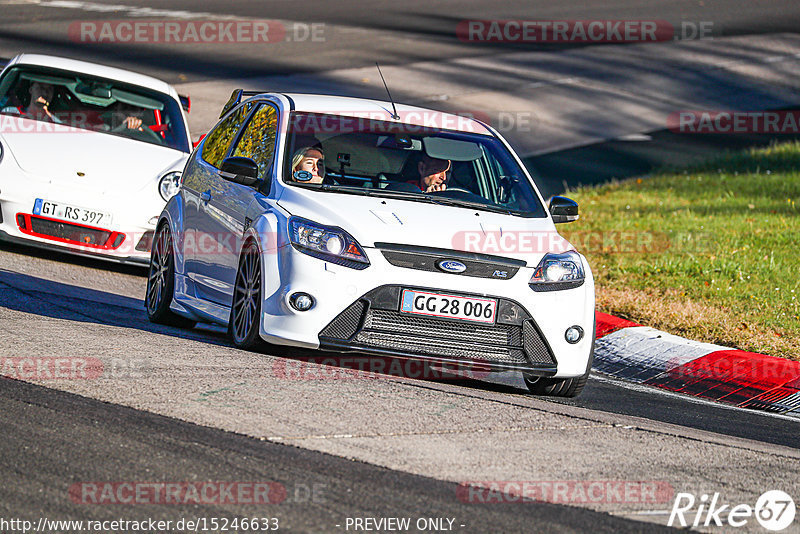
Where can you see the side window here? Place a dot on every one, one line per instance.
(258, 140)
(220, 139)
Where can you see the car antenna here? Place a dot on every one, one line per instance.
(395, 116)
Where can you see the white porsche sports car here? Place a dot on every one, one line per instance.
(89, 155)
(348, 225)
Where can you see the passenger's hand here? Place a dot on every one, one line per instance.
(436, 187)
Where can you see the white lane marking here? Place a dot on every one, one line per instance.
(131, 11)
(653, 390)
(641, 512)
(536, 428)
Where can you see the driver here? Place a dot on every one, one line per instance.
(432, 174)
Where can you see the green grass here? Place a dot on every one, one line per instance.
(724, 236)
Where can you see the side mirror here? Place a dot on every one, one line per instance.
(240, 171)
(563, 209)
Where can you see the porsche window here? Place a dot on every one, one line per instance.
(422, 164)
(90, 103)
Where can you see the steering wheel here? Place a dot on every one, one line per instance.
(145, 134)
(453, 190)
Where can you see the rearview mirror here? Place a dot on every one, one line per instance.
(563, 209)
(98, 91)
(240, 170)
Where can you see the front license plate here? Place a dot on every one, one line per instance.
(67, 212)
(450, 306)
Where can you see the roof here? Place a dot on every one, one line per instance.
(382, 110)
(94, 69)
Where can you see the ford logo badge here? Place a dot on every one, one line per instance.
(451, 266)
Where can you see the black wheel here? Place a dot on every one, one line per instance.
(161, 282)
(245, 319)
(562, 387)
(556, 387)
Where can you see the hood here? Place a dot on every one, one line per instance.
(373, 220)
(74, 158)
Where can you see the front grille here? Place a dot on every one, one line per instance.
(69, 233)
(436, 347)
(534, 344)
(427, 259)
(391, 321)
(374, 321)
(346, 324)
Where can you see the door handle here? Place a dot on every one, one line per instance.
(206, 197)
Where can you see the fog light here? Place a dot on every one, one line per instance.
(301, 301)
(573, 334)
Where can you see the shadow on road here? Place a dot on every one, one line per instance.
(29, 294)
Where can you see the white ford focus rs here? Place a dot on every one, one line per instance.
(348, 225)
(89, 155)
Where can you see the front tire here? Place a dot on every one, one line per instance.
(556, 387)
(161, 282)
(245, 320)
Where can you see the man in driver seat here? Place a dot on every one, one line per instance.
(432, 174)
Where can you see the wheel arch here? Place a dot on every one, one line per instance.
(172, 215)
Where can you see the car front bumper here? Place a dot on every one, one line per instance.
(122, 244)
(374, 324)
(359, 310)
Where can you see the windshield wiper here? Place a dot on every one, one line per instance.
(419, 197)
(401, 195)
(446, 201)
(328, 188)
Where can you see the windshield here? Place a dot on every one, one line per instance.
(360, 156)
(73, 99)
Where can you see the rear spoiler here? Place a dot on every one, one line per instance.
(236, 97)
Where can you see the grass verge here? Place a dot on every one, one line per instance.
(711, 253)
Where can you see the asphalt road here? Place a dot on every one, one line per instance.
(390, 32)
(52, 439)
(175, 405)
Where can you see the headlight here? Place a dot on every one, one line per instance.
(169, 185)
(558, 271)
(326, 243)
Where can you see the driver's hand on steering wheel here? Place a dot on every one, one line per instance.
(132, 123)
